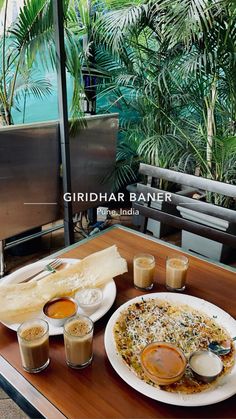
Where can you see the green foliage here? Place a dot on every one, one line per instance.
(126, 167)
(168, 67)
(173, 63)
(27, 40)
(18, 49)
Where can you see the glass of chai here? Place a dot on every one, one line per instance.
(176, 272)
(144, 266)
(78, 338)
(33, 338)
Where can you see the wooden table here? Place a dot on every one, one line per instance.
(97, 391)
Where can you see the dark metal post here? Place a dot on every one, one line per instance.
(63, 115)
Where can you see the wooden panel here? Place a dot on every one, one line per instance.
(189, 180)
(98, 392)
(191, 226)
(185, 202)
(226, 238)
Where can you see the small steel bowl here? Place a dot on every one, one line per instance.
(204, 377)
(58, 322)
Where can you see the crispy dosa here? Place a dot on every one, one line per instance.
(19, 302)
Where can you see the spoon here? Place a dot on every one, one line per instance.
(220, 349)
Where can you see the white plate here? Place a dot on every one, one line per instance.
(226, 386)
(109, 292)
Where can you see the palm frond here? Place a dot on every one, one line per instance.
(112, 27)
(30, 82)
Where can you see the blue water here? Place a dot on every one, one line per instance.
(46, 109)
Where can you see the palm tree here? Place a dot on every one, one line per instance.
(17, 74)
(31, 38)
(183, 71)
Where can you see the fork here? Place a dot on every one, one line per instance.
(50, 267)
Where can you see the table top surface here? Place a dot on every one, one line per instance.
(97, 391)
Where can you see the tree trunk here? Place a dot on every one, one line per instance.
(210, 118)
(2, 121)
(8, 117)
(5, 118)
(210, 104)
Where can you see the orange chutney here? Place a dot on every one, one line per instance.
(61, 308)
(163, 362)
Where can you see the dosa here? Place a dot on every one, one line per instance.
(20, 302)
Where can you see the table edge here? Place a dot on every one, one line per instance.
(22, 387)
(15, 383)
(145, 236)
